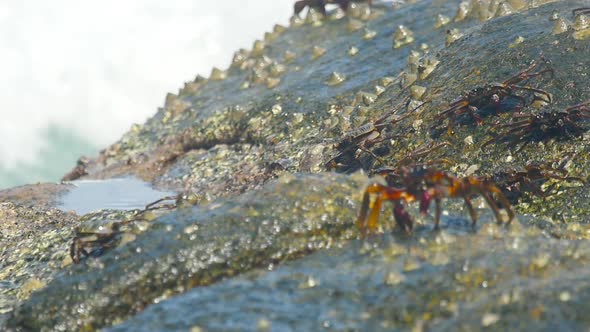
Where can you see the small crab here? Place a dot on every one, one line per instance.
(87, 243)
(395, 175)
(515, 183)
(79, 171)
(495, 97)
(320, 5)
(544, 124)
(361, 139)
(424, 185)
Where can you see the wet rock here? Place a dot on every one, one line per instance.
(225, 142)
(459, 283)
(294, 216)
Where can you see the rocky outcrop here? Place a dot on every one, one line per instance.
(270, 241)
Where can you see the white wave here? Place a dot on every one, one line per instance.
(96, 67)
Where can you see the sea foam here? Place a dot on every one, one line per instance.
(92, 69)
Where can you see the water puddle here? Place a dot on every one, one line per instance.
(118, 194)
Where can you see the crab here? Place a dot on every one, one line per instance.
(544, 124)
(495, 97)
(87, 243)
(320, 5)
(514, 183)
(359, 140)
(395, 174)
(424, 185)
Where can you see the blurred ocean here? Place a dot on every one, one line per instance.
(75, 75)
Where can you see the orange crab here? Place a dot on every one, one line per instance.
(424, 185)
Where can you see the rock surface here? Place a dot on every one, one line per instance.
(270, 241)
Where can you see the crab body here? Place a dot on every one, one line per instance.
(494, 98)
(426, 185)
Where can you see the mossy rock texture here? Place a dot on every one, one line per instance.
(270, 242)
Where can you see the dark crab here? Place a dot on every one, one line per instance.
(360, 140)
(87, 243)
(542, 125)
(424, 185)
(494, 98)
(395, 174)
(514, 183)
(320, 5)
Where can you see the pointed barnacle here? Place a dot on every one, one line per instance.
(519, 40)
(272, 82)
(554, 16)
(560, 26)
(170, 99)
(313, 17)
(427, 67)
(217, 74)
(441, 20)
(289, 56)
(354, 10)
(335, 79)
(494, 4)
(379, 90)
(365, 13)
(504, 9)
(462, 11)
(354, 25)
(580, 22)
(402, 36)
(480, 8)
(369, 34)
(277, 69)
(258, 48)
(188, 88)
(279, 29)
(317, 52)
(581, 34)
(387, 80)
(276, 109)
(200, 79)
(517, 4)
(257, 76)
(414, 58)
(352, 51)
(417, 92)
(365, 98)
(452, 36)
(408, 79)
(239, 57)
(194, 86)
(296, 21)
(336, 14)
(270, 36)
